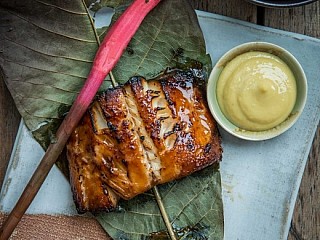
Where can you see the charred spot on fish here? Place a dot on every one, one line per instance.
(92, 121)
(164, 85)
(118, 139)
(152, 97)
(163, 118)
(154, 134)
(160, 108)
(124, 162)
(103, 177)
(135, 84)
(167, 134)
(126, 123)
(199, 73)
(153, 91)
(182, 84)
(175, 129)
(198, 98)
(207, 148)
(181, 76)
(155, 129)
(190, 146)
(111, 126)
(166, 93)
(151, 94)
(134, 80)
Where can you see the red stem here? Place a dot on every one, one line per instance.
(106, 58)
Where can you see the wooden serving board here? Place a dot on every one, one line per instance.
(260, 180)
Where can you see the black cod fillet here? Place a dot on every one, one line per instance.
(138, 135)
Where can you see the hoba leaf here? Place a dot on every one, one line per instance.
(193, 205)
(46, 51)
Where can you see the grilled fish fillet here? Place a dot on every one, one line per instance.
(139, 135)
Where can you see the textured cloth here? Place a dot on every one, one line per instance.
(57, 227)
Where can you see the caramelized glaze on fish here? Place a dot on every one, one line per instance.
(139, 135)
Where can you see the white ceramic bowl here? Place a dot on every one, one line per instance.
(301, 83)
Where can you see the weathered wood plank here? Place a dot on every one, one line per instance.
(306, 218)
(304, 20)
(232, 8)
(9, 122)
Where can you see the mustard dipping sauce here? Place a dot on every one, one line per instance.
(256, 91)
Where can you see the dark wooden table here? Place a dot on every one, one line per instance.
(306, 219)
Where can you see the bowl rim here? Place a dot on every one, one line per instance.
(259, 135)
(281, 4)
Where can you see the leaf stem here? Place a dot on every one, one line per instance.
(164, 213)
(91, 22)
(113, 80)
(108, 54)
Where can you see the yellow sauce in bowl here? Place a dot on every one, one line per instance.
(256, 91)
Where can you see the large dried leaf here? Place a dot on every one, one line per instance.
(193, 205)
(46, 51)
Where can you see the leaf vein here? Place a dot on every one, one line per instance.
(47, 54)
(48, 30)
(29, 113)
(144, 214)
(42, 84)
(44, 99)
(130, 232)
(189, 202)
(45, 70)
(60, 8)
(148, 50)
(91, 23)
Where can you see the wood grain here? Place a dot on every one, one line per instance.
(306, 218)
(304, 20)
(9, 122)
(232, 8)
